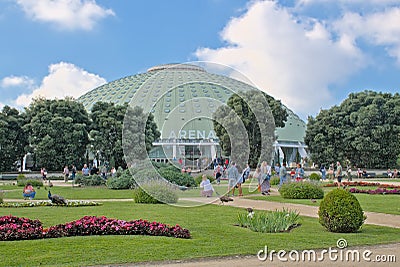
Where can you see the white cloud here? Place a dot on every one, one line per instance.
(379, 28)
(1, 106)
(69, 14)
(64, 79)
(286, 58)
(14, 81)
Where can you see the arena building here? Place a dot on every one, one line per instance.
(182, 98)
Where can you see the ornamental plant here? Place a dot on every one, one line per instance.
(14, 228)
(269, 222)
(340, 212)
(43, 203)
(378, 191)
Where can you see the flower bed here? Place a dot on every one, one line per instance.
(70, 203)
(382, 191)
(361, 183)
(15, 228)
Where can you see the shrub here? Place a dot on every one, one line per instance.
(275, 180)
(1, 196)
(341, 212)
(92, 180)
(315, 177)
(177, 178)
(271, 222)
(155, 192)
(33, 182)
(199, 178)
(301, 190)
(123, 180)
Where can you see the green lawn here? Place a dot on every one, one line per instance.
(376, 203)
(72, 193)
(212, 228)
(69, 192)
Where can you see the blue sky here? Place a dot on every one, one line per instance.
(309, 53)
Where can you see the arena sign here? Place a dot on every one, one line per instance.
(192, 134)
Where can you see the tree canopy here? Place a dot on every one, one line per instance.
(13, 138)
(106, 132)
(363, 130)
(261, 106)
(58, 132)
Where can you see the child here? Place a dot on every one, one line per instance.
(207, 187)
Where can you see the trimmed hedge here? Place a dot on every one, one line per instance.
(301, 190)
(91, 180)
(177, 178)
(33, 182)
(340, 212)
(122, 180)
(154, 193)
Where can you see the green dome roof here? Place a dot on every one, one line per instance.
(173, 91)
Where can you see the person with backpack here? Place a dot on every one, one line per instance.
(245, 173)
(218, 173)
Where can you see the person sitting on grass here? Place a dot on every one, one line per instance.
(207, 187)
(28, 191)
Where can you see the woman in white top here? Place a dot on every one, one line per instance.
(207, 187)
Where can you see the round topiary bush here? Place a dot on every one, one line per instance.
(274, 180)
(301, 190)
(340, 212)
(315, 176)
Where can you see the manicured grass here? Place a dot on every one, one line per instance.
(220, 189)
(211, 226)
(73, 193)
(376, 203)
(102, 192)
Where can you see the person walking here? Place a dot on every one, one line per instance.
(73, 171)
(299, 173)
(265, 177)
(233, 178)
(339, 174)
(323, 172)
(66, 173)
(282, 174)
(218, 173)
(348, 173)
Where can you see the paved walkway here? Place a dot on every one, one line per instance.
(304, 210)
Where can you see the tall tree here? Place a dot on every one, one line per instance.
(251, 108)
(139, 133)
(363, 130)
(58, 132)
(13, 138)
(106, 131)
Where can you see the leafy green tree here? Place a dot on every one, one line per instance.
(58, 132)
(251, 109)
(106, 131)
(13, 138)
(363, 130)
(139, 133)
